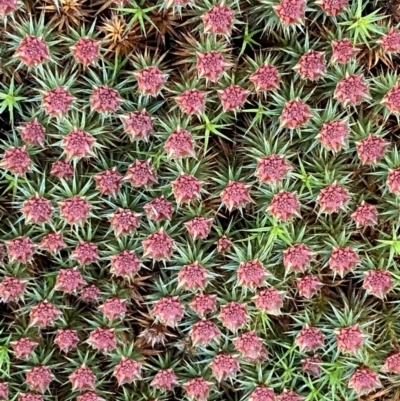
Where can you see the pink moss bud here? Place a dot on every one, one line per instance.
(69, 281)
(224, 366)
(199, 227)
(291, 12)
(262, 393)
(351, 90)
(392, 100)
(266, 78)
(3, 385)
(378, 282)
(43, 314)
(290, 395)
(158, 246)
(310, 339)
(11, 289)
(392, 363)
(141, 174)
(250, 347)
(270, 301)
(16, 160)
(223, 244)
(211, 65)
(165, 380)
(191, 101)
(193, 277)
(114, 308)
(334, 134)
(393, 181)
(62, 169)
(57, 102)
(390, 42)
(32, 51)
(203, 304)
(23, 348)
(272, 169)
(159, 209)
(343, 51)
(297, 258)
(39, 378)
(90, 293)
(127, 371)
(364, 381)
(312, 65)
(66, 340)
(295, 114)
(82, 379)
(233, 97)
(150, 80)
(29, 397)
(7, 7)
(105, 99)
(308, 286)
(179, 144)
(204, 332)
(349, 339)
(109, 182)
(102, 339)
(219, 20)
(33, 133)
(251, 274)
(138, 125)
(75, 210)
(198, 389)
(365, 215)
(86, 51)
(311, 365)
(332, 7)
(20, 250)
(53, 242)
(124, 221)
(85, 253)
(186, 188)
(371, 149)
(332, 198)
(125, 264)
(233, 316)
(37, 210)
(169, 311)
(235, 195)
(284, 206)
(78, 144)
(89, 396)
(343, 260)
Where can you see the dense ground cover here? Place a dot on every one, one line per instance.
(199, 200)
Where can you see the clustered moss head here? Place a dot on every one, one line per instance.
(199, 200)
